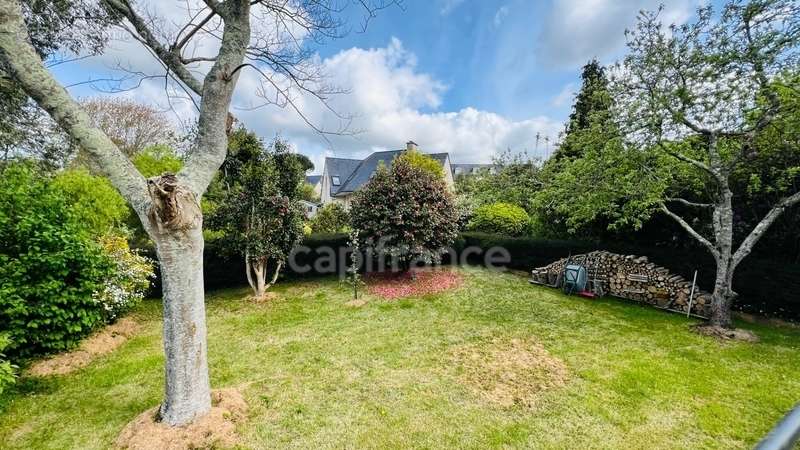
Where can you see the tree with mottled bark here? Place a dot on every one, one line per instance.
(169, 205)
(705, 94)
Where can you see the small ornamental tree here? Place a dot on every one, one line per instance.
(256, 206)
(407, 213)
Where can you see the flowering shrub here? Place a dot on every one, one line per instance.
(500, 218)
(129, 281)
(406, 212)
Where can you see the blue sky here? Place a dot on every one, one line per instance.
(469, 77)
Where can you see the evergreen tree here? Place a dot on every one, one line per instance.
(592, 100)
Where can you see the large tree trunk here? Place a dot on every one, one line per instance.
(176, 226)
(168, 206)
(722, 222)
(723, 297)
(187, 393)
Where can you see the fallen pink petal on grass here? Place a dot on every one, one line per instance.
(393, 285)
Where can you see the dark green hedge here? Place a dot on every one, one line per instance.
(764, 286)
(225, 270)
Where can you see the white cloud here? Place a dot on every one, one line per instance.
(449, 5)
(391, 102)
(576, 31)
(500, 15)
(565, 96)
(389, 99)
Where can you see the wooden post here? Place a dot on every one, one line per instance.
(691, 296)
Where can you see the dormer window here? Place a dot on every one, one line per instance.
(335, 181)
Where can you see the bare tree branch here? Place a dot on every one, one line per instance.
(680, 156)
(172, 59)
(688, 203)
(178, 45)
(747, 245)
(691, 231)
(29, 71)
(217, 92)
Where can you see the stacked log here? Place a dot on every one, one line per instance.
(632, 277)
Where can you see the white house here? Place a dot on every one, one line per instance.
(310, 209)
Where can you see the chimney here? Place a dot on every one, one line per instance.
(411, 145)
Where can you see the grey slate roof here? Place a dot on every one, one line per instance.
(313, 179)
(364, 170)
(342, 168)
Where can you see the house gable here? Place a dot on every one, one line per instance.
(352, 174)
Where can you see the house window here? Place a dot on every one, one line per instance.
(458, 170)
(335, 181)
(310, 209)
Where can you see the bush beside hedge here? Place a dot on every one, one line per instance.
(50, 267)
(501, 218)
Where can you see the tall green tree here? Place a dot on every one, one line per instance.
(701, 106)
(592, 100)
(590, 129)
(513, 178)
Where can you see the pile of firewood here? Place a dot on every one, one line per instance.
(632, 277)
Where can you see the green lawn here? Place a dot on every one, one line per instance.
(320, 374)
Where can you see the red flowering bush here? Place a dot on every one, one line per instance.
(407, 213)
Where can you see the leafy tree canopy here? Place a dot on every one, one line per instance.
(516, 180)
(422, 161)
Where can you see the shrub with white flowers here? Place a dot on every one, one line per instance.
(129, 282)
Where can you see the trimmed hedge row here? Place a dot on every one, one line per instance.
(764, 286)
